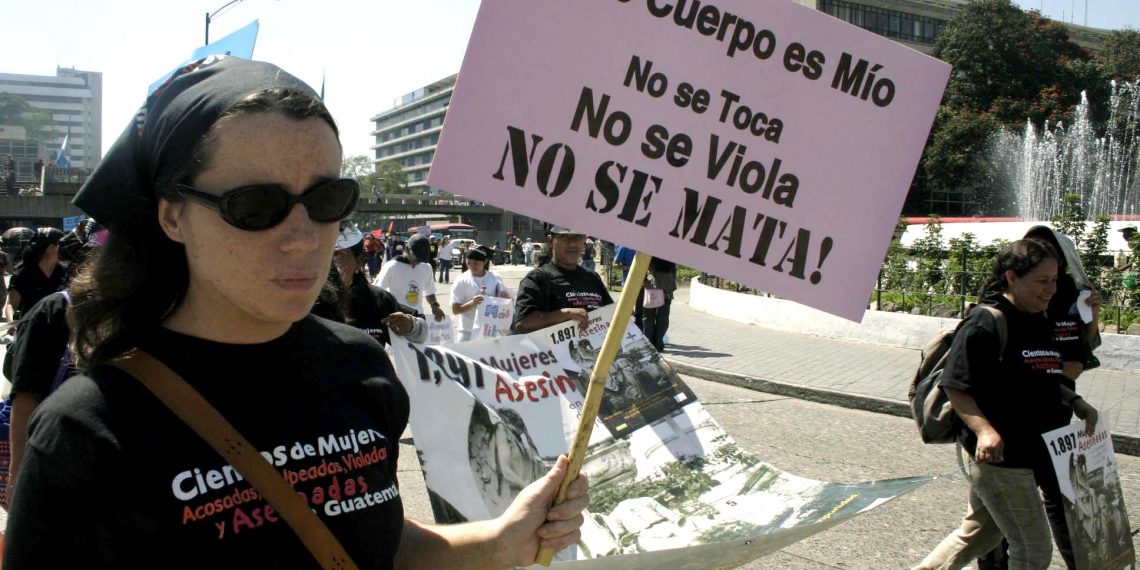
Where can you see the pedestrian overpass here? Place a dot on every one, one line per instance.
(50, 209)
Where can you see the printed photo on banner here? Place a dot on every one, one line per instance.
(491, 415)
(1089, 478)
(764, 142)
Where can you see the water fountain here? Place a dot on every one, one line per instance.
(1038, 168)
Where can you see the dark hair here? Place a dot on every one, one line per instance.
(44, 238)
(140, 275)
(1021, 257)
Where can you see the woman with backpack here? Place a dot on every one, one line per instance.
(278, 447)
(1007, 399)
(1076, 340)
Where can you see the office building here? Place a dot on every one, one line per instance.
(74, 100)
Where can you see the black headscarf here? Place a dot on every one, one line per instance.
(156, 146)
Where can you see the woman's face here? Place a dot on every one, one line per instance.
(476, 267)
(1032, 291)
(346, 265)
(263, 278)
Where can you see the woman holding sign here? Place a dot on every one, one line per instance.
(223, 201)
(1003, 378)
(473, 286)
(1076, 340)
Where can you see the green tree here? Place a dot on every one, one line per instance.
(1094, 249)
(1120, 55)
(357, 166)
(1008, 65)
(16, 111)
(895, 267)
(1071, 220)
(929, 252)
(966, 264)
(391, 178)
(385, 177)
(954, 157)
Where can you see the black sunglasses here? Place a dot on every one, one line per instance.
(262, 206)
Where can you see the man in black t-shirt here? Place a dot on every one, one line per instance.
(560, 290)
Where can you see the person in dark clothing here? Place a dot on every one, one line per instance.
(560, 290)
(1006, 400)
(10, 175)
(352, 300)
(655, 321)
(39, 273)
(1076, 341)
(212, 269)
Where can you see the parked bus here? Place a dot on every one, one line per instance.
(456, 231)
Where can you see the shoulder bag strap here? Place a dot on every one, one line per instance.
(193, 409)
(1002, 328)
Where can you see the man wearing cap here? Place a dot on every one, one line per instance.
(560, 290)
(409, 277)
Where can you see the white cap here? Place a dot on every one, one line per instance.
(349, 236)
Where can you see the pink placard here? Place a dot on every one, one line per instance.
(763, 142)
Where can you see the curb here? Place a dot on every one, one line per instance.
(1124, 444)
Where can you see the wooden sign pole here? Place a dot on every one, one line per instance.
(627, 301)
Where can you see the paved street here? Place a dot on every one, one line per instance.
(857, 375)
(835, 444)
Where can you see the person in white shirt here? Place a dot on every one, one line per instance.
(473, 286)
(445, 260)
(528, 253)
(409, 277)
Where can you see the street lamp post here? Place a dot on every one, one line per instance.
(210, 16)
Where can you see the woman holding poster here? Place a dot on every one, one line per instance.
(222, 200)
(471, 288)
(1007, 399)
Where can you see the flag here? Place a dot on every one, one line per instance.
(61, 158)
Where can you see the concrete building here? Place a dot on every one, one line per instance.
(918, 23)
(74, 99)
(408, 133)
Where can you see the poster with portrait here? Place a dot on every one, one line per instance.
(1089, 479)
(669, 488)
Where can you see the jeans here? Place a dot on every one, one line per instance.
(445, 271)
(1002, 501)
(656, 323)
(998, 558)
(529, 257)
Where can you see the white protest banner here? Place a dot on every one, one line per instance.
(669, 488)
(1089, 479)
(493, 317)
(764, 142)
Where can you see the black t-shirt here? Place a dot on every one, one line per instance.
(112, 479)
(368, 306)
(40, 346)
(1016, 393)
(33, 285)
(549, 287)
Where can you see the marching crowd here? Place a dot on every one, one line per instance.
(221, 235)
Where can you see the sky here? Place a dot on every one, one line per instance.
(1106, 14)
(369, 51)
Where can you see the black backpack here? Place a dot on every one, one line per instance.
(929, 404)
